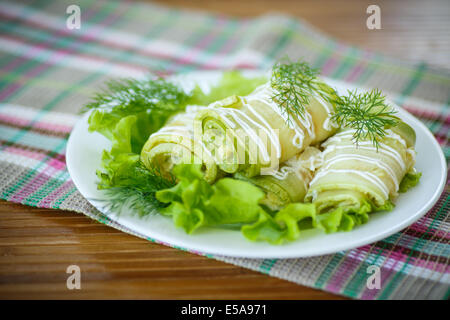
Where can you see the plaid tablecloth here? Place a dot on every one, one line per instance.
(48, 71)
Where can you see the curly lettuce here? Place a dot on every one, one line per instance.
(194, 203)
(410, 180)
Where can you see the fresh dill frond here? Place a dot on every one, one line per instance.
(367, 113)
(138, 191)
(293, 83)
(132, 96)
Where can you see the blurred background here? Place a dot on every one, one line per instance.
(411, 29)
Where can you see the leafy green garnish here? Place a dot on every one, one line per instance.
(131, 96)
(231, 83)
(367, 113)
(126, 113)
(410, 180)
(194, 203)
(138, 190)
(124, 176)
(293, 84)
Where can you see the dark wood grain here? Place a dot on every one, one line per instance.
(37, 245)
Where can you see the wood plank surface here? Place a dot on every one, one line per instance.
(37, 245)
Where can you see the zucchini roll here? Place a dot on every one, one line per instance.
(174, 143)
(362, 177)
(253, 135)
(290, 183)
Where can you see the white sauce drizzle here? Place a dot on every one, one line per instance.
(376, 162)
(366, 145)
(183, 129)
(269, 130)
(262, 94)
(242, 119)
(365, 175)
(346, 137)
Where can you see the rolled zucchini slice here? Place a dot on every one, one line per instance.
(250, 134)
(290, 183)
(361, 177)
(175, 143)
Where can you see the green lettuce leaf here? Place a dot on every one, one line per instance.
(284, 226)
(233, 201)
(117, 162)
(288, 223)
(194, 203)
(410, 180)
(231, 83)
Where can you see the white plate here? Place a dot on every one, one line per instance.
(84, 151)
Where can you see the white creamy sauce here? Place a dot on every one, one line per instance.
(184, 127)
(365, 175)
(243, 121)
(269, 130)
(346, 138)
(365, 145)
(380, 164)
(263, 95)
(281, 174)
(395, 136)
(181, 125)
(394, 156)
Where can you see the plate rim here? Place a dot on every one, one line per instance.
(225, 251)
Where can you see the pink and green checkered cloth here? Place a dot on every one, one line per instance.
(47, 73)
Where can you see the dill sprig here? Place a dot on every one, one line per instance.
(292, 83)
(128, 96)
(367, 113)
(138, 191)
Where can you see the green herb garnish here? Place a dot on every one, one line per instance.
(293, 84)
(367, 113)
(137, 190)
(131, 96)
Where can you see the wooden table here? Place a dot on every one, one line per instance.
(37, 245)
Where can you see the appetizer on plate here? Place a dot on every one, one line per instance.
(268, 156)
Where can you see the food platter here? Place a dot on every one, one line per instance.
(84, 152)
